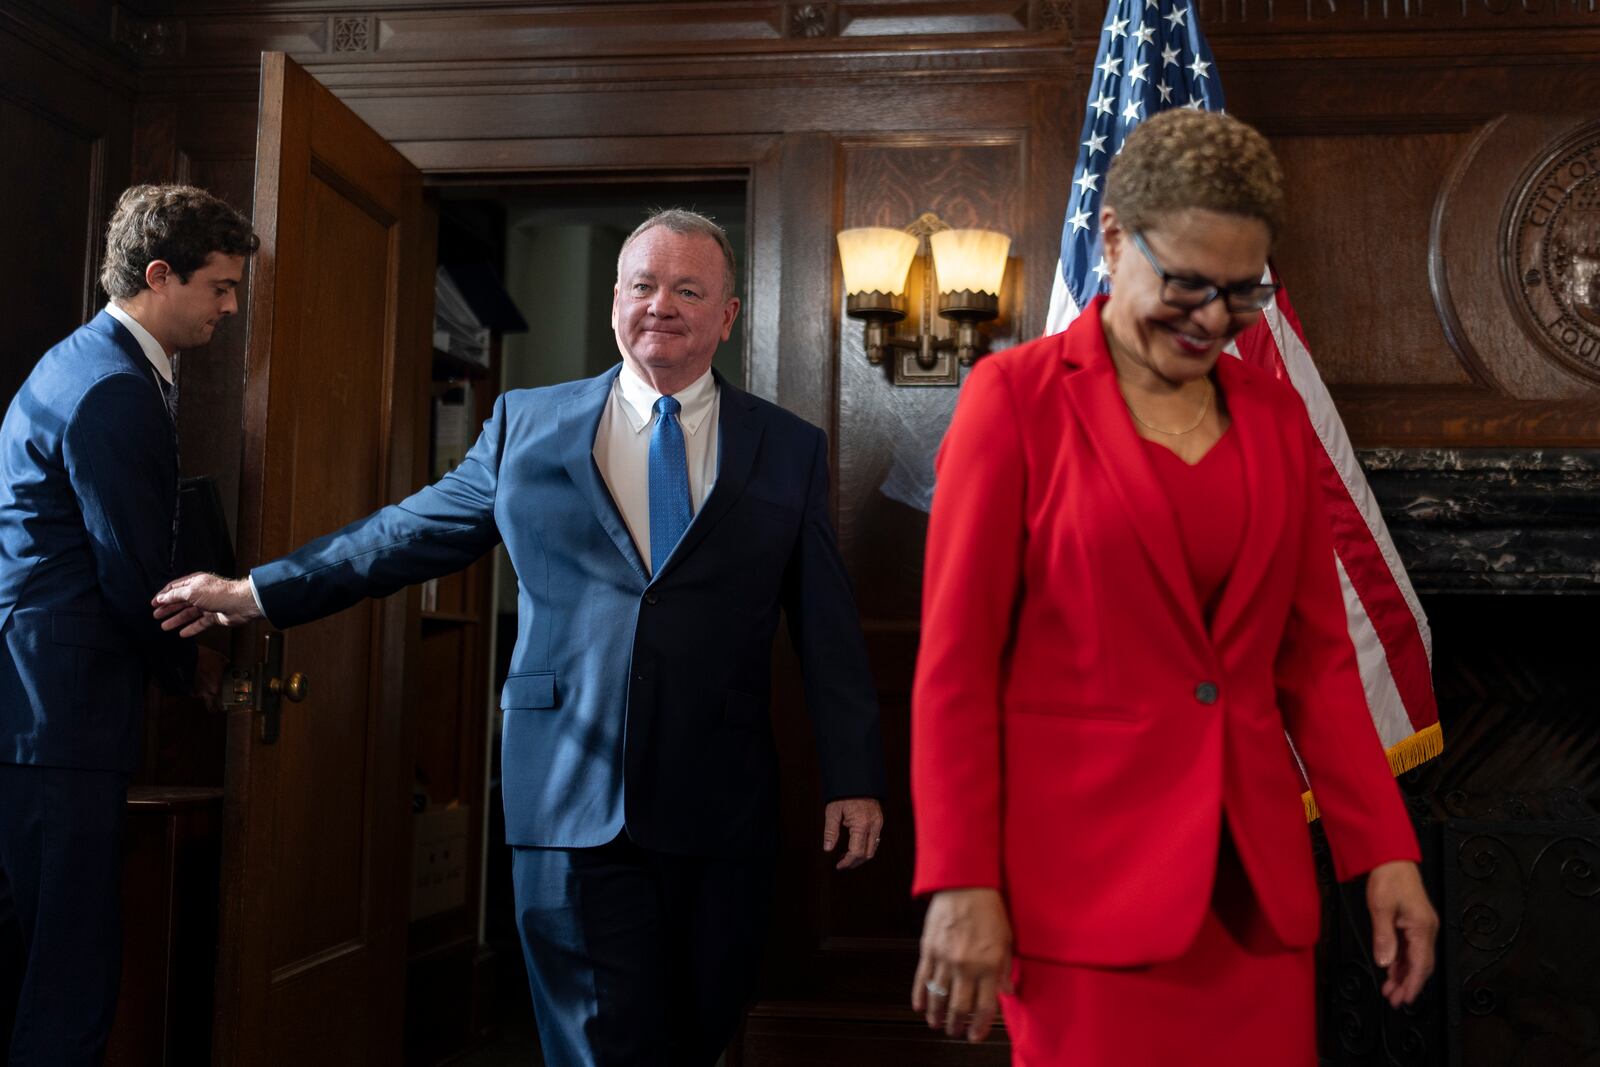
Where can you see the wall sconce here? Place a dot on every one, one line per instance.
(964, 267)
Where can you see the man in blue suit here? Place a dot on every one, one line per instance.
(88, 501)
(658, 519)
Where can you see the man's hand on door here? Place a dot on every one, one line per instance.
(197, 602)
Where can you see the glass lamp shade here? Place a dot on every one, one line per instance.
(970, 260)
(876, 259)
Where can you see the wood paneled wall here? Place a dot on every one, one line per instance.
(1414, 168)
(1409, 129)
(66, 113)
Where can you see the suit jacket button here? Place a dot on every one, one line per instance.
(650, 598)
(1206, 692)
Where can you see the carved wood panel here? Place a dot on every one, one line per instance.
(1444, 285)
(847, 945)
(1362, 290)
(211, 145)
(64, 117)
(1519, 244)
(1414, 181)
(886, 434)
(54, 168)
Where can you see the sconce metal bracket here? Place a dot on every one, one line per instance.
(911, 367)
(922, 359)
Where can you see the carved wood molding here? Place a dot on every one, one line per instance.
(810, 20)
(401, 32)
(405, 45)
(352, 34)
(1412, 416)
(149, 39)
(1052, 15)
(354, 75)
(1222, 18)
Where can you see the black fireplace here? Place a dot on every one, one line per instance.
(1504, 550)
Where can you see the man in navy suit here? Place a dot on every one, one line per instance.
(88, 501)
(658, 519)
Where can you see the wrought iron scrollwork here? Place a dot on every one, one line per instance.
(1525, 899)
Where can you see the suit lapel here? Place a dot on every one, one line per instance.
(1091, 390)
(1261, 448)
(108, 326)
(739, 429)
(579, 418)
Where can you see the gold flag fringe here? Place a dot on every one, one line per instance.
(1413, 752)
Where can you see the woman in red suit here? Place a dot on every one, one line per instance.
(1130, 594)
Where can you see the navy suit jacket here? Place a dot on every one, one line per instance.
(634, 700)
(88, 492)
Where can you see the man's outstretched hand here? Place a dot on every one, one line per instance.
(200, 601)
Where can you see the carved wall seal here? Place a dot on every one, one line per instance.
(1553, 252)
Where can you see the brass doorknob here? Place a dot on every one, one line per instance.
(294, 689)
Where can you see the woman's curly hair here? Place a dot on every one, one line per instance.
(1182, 159)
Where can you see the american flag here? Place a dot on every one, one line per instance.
(1152, 56)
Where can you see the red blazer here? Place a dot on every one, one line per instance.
(1077, 729)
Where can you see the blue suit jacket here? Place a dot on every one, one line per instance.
(633, 700)
(88, 491)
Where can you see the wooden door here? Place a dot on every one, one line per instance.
(316, 862)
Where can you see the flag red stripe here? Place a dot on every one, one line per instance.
(1375, 585)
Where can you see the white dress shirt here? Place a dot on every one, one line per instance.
(622, 447)
(152, 348)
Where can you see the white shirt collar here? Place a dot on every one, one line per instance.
(152, 348)
(639, 400)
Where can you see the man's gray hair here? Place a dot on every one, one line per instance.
(687, 223)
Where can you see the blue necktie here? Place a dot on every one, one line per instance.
(669, 483)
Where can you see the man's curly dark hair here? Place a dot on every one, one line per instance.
(179, 224)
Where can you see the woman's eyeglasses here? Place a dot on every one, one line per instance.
(1190, 294)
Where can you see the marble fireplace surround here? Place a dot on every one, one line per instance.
(1492, 520)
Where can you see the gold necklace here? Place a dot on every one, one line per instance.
(1205, 406)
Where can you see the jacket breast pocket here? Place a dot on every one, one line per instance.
(771, 510)
(532, 691)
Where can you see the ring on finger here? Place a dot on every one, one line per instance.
(935, 989)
